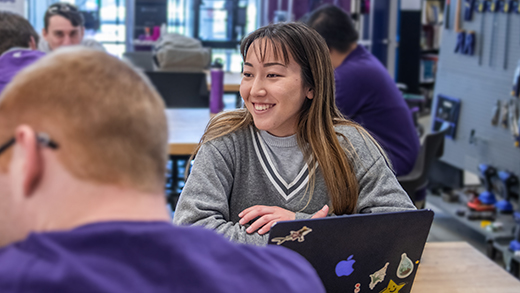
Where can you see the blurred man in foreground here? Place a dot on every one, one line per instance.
(82, 208)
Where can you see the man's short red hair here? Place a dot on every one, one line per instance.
(107, 119)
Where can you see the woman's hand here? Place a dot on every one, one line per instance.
(269, 215)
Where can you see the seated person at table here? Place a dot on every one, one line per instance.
(18, 43)
(365, 92)
(64, 26)
(82, 175)
(289, 154)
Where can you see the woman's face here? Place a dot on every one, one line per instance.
(273, 92)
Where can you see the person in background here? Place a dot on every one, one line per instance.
(18, 43)
(83, 152)
(365, 92)
(289, 154)
(64, 26)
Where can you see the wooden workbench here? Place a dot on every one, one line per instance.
(458, 267)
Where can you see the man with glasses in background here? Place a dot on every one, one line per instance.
(64, 26)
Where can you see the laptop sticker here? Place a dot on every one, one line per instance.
(378, 276)
(356, 290)
(393, 287)
(405, 267)
(345, 267)
(293, 236)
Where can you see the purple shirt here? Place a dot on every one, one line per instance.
(15, 60)
(366, 93)
(149, 257)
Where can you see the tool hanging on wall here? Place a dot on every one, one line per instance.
(465, 40)
(513, 118)
(481, 7)
(468, 9)
(495, 113)
(508, 183)
(493, 8)
(515, 6)
(447, 17)
(516, 81)
(486, 176)
(469, 44)
(514, 121)
(504, 115)
(506, 8)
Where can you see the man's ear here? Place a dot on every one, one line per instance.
(27, 158)
(32, 44)
(44, 33)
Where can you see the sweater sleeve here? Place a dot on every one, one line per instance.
(204, 200)
(379, 190)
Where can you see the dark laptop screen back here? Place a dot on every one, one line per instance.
(369, 252)
(181, 89)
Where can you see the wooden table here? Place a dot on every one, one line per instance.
(458, 267)
(185, 128)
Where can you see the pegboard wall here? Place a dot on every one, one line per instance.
(479, 86)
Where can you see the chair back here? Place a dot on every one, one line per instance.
(181, 89)
(432, 147)
(140, 59)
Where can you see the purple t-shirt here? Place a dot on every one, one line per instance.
(366, 93)
(15, 60)
(149, 257)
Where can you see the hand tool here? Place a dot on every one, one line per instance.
(493, 8)
(481, 7)
(495, 113)
(504, 121)
(461, 34)
(468, 9)
(516, 81)
(487, 173)
(506, 8)
(513, 118)
(508, 181)
(447, 17)
(469, 44)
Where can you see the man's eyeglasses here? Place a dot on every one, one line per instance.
(63, 7)
(43, 139)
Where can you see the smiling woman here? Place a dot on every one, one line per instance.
(289, 154)
(273, 90)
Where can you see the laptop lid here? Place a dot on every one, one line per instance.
(362, 252)
(181, 89)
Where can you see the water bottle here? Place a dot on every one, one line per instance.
(216, 100)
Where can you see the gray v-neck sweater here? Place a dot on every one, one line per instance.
(247, 168)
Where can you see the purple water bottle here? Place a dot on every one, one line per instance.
(216, 102)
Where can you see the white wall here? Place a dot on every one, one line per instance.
(16, 6)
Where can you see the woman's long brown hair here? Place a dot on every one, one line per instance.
(315, 135)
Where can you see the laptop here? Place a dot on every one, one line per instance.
(360, 253)
(181, 89)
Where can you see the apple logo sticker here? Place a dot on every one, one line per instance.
(344, 267)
